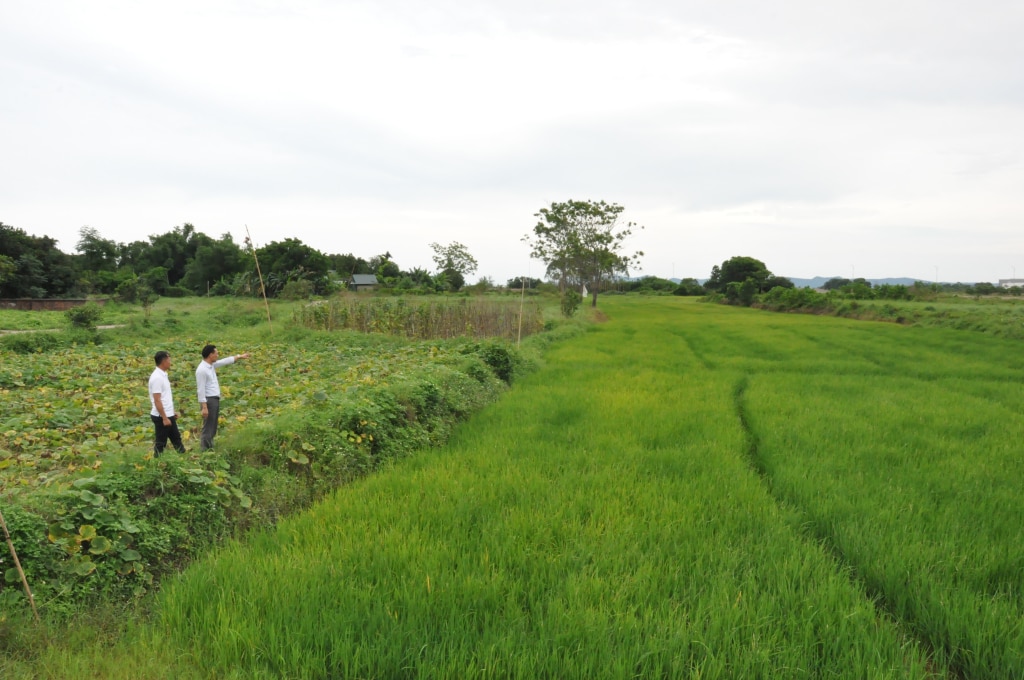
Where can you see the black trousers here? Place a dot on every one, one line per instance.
(165, 432)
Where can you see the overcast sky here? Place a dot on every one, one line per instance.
(841, 138)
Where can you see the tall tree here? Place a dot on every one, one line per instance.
(737, 270)
(97, 253)
(455, 262)
(293, 260)
(8, 268)
(214, 261)
(581, 243)
(348, 264)
(40, 268)
(174, 250)
(384, 267)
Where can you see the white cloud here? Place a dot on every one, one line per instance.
(886, 137)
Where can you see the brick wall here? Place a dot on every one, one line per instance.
(45, 304)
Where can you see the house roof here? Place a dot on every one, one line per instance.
(363, 280)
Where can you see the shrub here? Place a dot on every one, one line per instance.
(571, 300)
(128, 290)
(27, 343)
(296, 290)
(85, 316)
(501, 358)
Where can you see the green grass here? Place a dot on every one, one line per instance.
(688, 490)
(603, 520)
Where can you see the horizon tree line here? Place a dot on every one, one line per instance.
(185, 261)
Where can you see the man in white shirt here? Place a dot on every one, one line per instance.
(209, 391)
(165, 422)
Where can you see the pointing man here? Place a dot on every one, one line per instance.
(209, 391)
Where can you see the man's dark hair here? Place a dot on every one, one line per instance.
(208, 350)
(160, 356)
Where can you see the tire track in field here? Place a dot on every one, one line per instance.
(694, 351)
(815, 531)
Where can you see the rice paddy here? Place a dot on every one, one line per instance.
(687, 490)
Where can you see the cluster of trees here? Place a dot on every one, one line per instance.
(862, 289)
(185, 261)
(740, 279)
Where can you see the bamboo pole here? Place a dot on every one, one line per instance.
(17, 564)
(522, 301)
(263, 288)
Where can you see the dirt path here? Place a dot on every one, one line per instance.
(54, 330)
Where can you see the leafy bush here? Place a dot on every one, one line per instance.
(27, 343)
(86, 316)
(296, 290)
(788, 299)
(501, 358)
(128, 290)
(107, 534)
(571, 300)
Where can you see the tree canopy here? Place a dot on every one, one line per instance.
(39, 268)
(581, 243)
(454, 262)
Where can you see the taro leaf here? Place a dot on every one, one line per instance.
(125, 568)
(12, 575)
(57, 532)
(100, 545)
(306, 446)
(299, 458)
(130, 555)
(90, 497)
(89, 513)
(198, 480)
(86, 532)
(243, 500)
(83, 482)
(84, 567)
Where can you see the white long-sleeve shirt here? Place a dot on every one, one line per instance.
(206, 378)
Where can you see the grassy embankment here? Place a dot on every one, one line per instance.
(688, 490)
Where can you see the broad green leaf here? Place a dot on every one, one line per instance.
(90, 497)
(57, 532)
(87, 532)
(100, 545)
(84, 567)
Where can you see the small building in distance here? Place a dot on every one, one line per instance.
(360, 282)
(1011, 283)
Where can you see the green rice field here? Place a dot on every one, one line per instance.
(687, 490)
